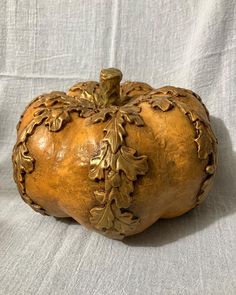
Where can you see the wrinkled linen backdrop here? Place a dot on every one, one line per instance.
(49, 45)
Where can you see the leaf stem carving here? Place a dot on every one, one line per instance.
(54, 111)
(205, 139)
(118, 166)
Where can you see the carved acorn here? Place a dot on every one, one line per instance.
(115, 157)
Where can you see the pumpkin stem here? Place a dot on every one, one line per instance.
(110, 86)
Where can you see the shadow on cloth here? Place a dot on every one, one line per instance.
(221, 201)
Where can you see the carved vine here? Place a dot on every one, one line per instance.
(206, 147)
(205, 139)
(54, 111)
(118, 166)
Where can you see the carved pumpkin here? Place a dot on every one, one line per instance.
(115, 157)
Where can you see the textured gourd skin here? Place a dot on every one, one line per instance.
(176, 179)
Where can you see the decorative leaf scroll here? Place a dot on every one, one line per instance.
(130, 164)
(130, 114)
(205, 138)
(103, 217)
(56, 119)
(119, 167)
(25, 159)
(114, 133)
(131, 90)
(181, 92)
(86, 90)
(162, 103)
(23, 164)
(54, 111)
(157, 100)
(203, 192)
(100, 196)
(56, 107)
(123, 194)
(104, 114)
(124, 222)
(100, 163)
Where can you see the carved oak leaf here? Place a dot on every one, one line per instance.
(30, 128)
(103, 114)
(17, 173)
(114, 234)
(130, 164)
(211, 134)
(132, 90)
(90, 86)
(210, 169)
(126, 188)
(100, 196)
(114, 133)
(193, 116)
(130, 109)
(120, 191)
(124, 222)
(90, 97)
(162, 103)
(130, 114)
(20, 184)
(173, 91)
(56, 118)
(181, 92)
(122, 200)
(114, 179)
(204, 141)
(88, 90)
(102, 217)
(24, 159)
(56, 107)
(84, 107)
(50, 99)
(99, 163)
(205, 189)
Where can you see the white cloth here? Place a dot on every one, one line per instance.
(49, 45)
